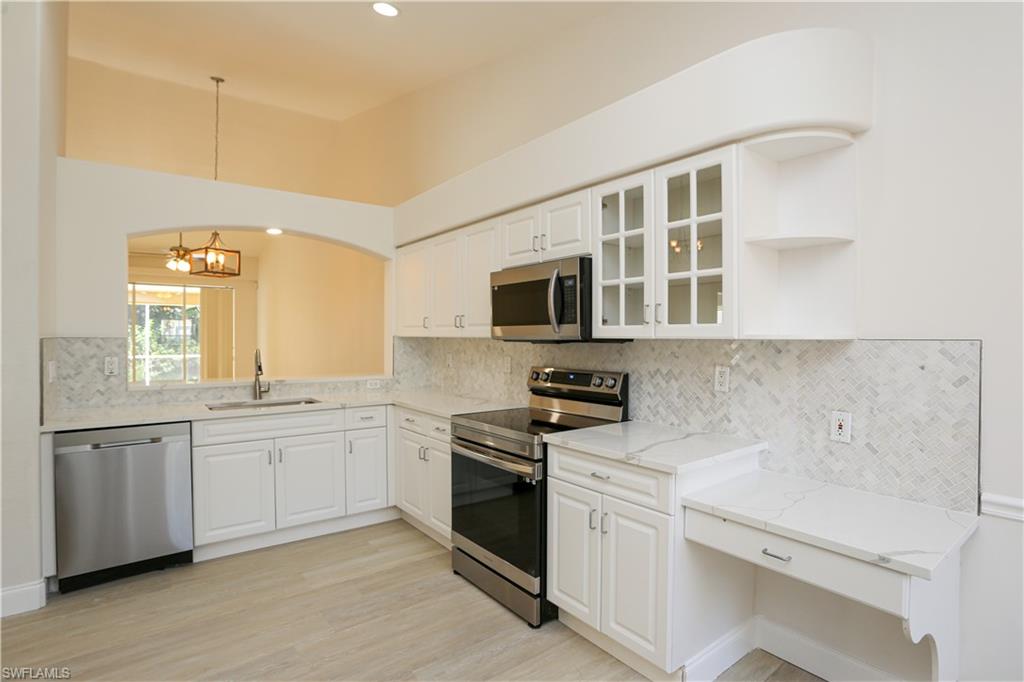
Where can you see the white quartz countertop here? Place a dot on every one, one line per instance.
(655, 446)
(431, 401)
(904, 536)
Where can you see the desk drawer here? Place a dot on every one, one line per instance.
(851, 578)
(366, 417)
(424, 424)
(648, 488)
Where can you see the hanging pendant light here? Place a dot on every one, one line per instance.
(213, 259)
(178, 257)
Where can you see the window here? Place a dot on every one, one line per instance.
(176, 333)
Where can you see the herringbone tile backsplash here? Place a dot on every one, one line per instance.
(915, 404)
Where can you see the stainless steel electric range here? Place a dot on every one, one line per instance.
(499, 492)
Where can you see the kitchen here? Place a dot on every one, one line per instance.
(767, 444)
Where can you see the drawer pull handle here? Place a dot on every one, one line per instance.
(776, 556)
(600, 477)
(367, 418)
(440, 429)
(410, 420)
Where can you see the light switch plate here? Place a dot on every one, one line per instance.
(841, 427)
(721, 378)
(110, 366)
(51, 371)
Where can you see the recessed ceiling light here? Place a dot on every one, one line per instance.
(274, 230)
(385, 9)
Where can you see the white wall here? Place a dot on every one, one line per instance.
(33, 47)
(939, 205)
(99, 206)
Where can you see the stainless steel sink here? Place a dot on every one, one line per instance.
(251, 404)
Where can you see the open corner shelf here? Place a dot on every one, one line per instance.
(786, 242)
(794, 144)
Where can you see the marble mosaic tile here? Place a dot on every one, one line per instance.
(81, 383)
(915, 404)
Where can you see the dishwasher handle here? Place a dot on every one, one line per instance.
(126, 443)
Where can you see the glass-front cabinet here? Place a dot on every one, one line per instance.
(623, 218)
(664, 253)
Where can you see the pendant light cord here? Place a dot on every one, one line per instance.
(216, 126)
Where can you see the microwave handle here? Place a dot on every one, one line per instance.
(552, 318)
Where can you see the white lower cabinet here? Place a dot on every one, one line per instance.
(366, 470)
(261, 485)
(233, 490)
(310, 478)
(608, 565)
(425, 477)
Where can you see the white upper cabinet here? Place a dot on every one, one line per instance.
(558, 228)
(520, 237)
(623, 263)
(694, 237)
(479, 260)
(412, 287)
(446, 293)
(664, 259)
(565, 226)
(443, 285)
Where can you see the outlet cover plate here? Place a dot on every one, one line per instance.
(841, 426)
(721, 378)
(110, 366)
(373, 383)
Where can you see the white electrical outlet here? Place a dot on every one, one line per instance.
(51, 371)
(373, 383)
(110, 366)
(508, 364)
(721, 378)
(841, 427)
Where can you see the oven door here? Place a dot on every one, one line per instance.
(498, 512)
(545, 302)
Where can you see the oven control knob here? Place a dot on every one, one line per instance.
(598, 381)
(534, 376)
(544, 376)
(610, 382)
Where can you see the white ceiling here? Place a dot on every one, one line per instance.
(332, 59)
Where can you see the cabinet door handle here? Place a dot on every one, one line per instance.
(785, 559)
(534, 247)
(657, 313)
(350, 447)
(419, 453)
(604, 525)
(647, 309)
(600, 477)
(280, 455)
(424, 321)
(426, 454)
(270, 458)
(593, 526)
(542, 236)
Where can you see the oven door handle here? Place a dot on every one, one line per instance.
(531, 471)
(552, 318)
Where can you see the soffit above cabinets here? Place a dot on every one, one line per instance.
(821, 77)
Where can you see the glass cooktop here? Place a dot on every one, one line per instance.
(525, 420)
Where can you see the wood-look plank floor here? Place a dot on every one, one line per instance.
(377, 603)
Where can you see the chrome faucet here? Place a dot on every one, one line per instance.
(259, 388)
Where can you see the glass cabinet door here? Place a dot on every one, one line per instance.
(693, 244)
(623, 260)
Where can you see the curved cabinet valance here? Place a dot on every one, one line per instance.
(820, 77)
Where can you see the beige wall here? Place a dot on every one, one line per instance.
(130, 120)
(321, 310)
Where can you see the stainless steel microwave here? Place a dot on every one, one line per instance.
(547, 302)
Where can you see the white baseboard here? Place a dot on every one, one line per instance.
(286, 535)
(1003, 506)
(427, 530)
(22, 598)
(718, 656)
(630, 658)
(811, 655)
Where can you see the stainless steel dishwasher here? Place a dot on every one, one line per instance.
(124, 501)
